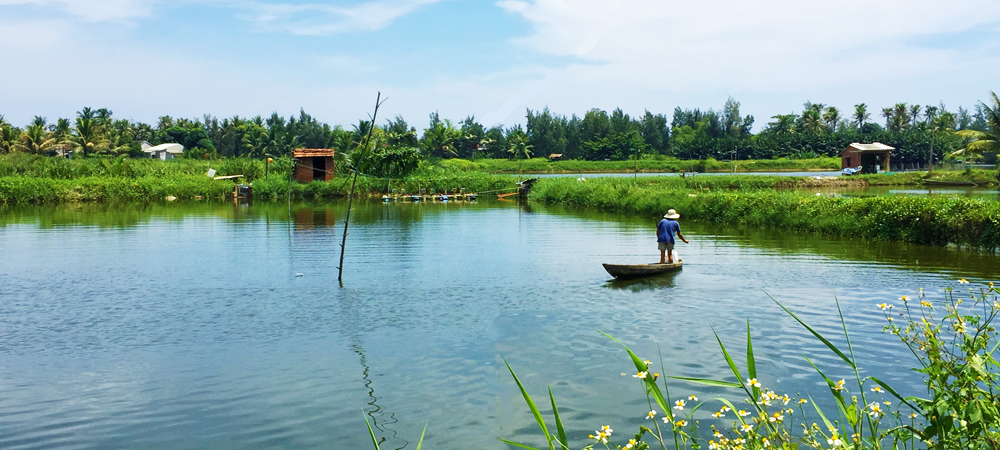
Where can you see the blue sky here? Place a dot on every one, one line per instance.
(491, 59)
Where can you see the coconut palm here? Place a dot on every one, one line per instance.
(983, 141)
(35, 139)
(8, 136)
(861, 114)
(85, 135)
(832, 117)
(518, 146)
(914, 114)
(811, 121)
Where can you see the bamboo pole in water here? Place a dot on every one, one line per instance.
(350, 197)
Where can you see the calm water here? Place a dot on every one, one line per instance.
(214, 326)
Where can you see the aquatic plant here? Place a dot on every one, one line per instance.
(925, 220)
(955, 354)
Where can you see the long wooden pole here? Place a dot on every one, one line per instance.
(350, 197)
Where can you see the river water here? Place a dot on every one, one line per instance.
(218, 326)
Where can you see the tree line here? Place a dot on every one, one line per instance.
(919, 133)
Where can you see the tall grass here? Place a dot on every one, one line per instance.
(954, 352)
(659, 164)
(923, 220)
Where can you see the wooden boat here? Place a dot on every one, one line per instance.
(640, 270)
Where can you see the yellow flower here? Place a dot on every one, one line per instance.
(743, 413)
(753, 382)
(877, 389)
(746, 428)
(631, 443)
(913, 415)
(640, 375)
(692, 398)
(646, 361)
(651, 414)
(839, 385)
(926, 304)
(679, 405)
(718, 414)
(962, 281)
(682, 423)
(803, 401)
(886, 306)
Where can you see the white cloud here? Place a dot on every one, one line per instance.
(93, 10)
(322, 19)
(634, 51)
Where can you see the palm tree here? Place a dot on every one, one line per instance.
(914, 114)
(861, 114)
(440, 139)
(900, 117)
(812, 122)
(887, 113)
(831, 116)
(518, 146)
(8, 136)
(86, 137)
(35, 139)
(983, 141)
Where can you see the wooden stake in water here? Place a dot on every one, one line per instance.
(350, 197)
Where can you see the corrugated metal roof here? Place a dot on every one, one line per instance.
(875, 146)
(312, 152)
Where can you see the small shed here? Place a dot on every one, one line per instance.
(314, 164)
(555, 157)
(872, 158)
(162, 151)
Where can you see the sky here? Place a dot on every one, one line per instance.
(492, 59)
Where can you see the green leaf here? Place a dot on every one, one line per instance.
(729, 359)
(531, 406)
(751, 364)
(841, 404)
(517, 444)
(420, 443)
(708, 382)
(894, 393)
(826, 421)
(732, 407)
(560, 431)
(818, 336)
(641, 367)
(370, 431)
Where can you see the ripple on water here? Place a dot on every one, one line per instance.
(196, 332)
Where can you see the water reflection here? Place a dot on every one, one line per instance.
(651, 283)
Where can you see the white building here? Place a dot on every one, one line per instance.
(162, 151)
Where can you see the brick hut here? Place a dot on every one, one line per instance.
(314, 164)
(872, 157)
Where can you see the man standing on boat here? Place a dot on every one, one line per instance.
(665, 231)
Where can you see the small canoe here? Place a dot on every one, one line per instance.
(640, 270)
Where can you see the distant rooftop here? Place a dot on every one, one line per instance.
(873, 147)
(312, 152)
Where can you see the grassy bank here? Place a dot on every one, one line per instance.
(24, 189)
(666, 164)
(923, 220)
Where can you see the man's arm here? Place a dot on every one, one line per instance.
(682, 237)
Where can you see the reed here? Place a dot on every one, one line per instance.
(952, 338)
(924, 220)
(654, 164)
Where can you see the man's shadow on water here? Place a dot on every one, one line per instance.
(650, 283)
